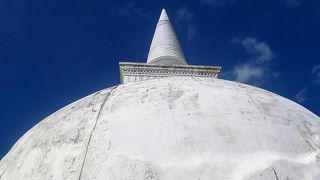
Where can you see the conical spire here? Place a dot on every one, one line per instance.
(165, 48)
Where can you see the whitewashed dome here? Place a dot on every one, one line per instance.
(170, 129)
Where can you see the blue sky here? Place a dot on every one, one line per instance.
(55, 52)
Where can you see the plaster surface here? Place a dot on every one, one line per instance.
(165, 48)
(168, 129)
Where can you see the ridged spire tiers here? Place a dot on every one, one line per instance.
(165, 48)
(165, 59)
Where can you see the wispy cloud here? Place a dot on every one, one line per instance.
(218, 2)
(260, 51)
(187, 19)
(301, 96)
(304, 94)
(191, 32)
(289, 3)
(131, 9)
(247, 71)
(316, 72)
(257, 67)
(292, 3)
(20, 4)
(183, 14)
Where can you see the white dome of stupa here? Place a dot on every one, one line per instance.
(171, 121)
(169, 129)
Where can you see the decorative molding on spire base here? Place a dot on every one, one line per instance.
(165, 59)
(134, 72)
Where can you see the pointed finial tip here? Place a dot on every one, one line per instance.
(164, 16)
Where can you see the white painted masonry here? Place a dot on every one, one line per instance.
(165, 59)
(165, 48)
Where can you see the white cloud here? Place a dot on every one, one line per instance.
(305, 94)
(187, 19)
(183, 14)
(316, 71)
(218, 2)
(246, 72)
(289, 3)
(257, 67)
(191, 32)
(260, 51)
(130, 10)
(301, 96)
(292, 3)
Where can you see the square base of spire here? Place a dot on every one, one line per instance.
(133, 72)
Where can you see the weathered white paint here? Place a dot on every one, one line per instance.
(165, 48)
(169, 129)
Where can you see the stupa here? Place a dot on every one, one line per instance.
(166, 121)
